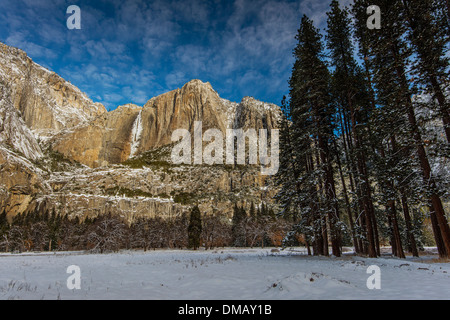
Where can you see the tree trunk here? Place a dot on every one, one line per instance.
(437, 234)
(429, 182)
(323, 219)
(347, 204)
(410, 234)
(330, 195)
(443, 106)
(317, 230)
(436, 204)
(397, 237)
(365, 187)
(391, 229)
(430, 71)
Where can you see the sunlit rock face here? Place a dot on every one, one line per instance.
(61, 152)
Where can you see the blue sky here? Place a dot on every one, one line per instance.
(132, 50)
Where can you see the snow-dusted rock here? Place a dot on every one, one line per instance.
(130, 130)
(61, 152)
(47, 102)
(13, 130)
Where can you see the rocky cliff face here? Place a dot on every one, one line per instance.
(107, 139)
(60, 151)
(14, 133)
(130, 131)
(47, 102)
(21, 182)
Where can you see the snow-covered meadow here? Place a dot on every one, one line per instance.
(222, 274)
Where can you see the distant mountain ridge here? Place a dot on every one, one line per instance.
(60, 151)
(131, 130)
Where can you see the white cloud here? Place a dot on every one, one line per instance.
(19, 40)
(139, 48)
(113, 97)
(136, 96)
(176, 79)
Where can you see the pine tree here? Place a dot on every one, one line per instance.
(195, 228)
(341, 58)
(238, 222)
(305, 191)
(263, 212)
(352, 97)
(388, 55)
(252, 211)
(427, 34)
(313, 133)
(444, 12)
(288, 173)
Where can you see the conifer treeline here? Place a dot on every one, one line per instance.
(49, 231)
(356, 146)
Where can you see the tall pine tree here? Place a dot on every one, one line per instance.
(313, 135)
(388, 56)
(347, 91)
(429, 38)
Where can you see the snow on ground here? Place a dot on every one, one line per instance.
(222, 274)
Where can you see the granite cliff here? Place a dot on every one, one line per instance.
(61, 152)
